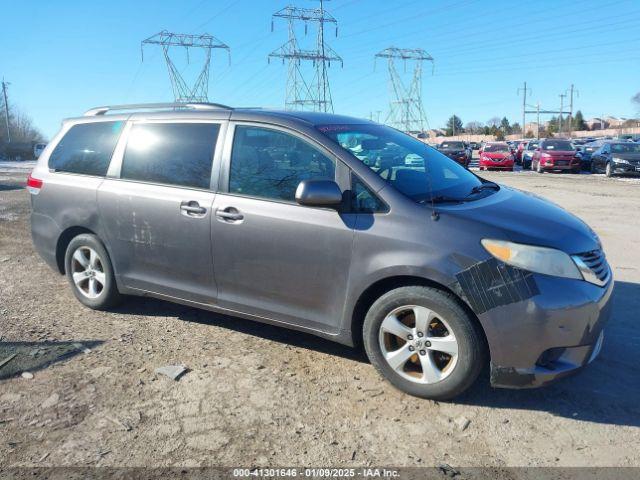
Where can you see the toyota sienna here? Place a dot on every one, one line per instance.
(326, 224)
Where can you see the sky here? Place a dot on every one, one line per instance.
(63, 57)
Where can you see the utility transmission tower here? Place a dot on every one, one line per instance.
(6, 109)
(406, 111)
(562, 96)
(198, 91)
(302, 93)
(525, 91)
(571, 90)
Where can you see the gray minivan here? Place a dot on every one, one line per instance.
(326, 224)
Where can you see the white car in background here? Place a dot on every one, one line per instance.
(37, 149)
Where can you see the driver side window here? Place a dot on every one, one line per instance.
(270, 163)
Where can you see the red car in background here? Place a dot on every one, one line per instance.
(555, 154)
(496, 156)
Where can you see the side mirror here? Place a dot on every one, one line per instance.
(319, 193)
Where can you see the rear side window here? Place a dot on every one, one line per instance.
(171, 153)
(270, 164)
(86, 148)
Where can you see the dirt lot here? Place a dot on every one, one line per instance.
(260, 395)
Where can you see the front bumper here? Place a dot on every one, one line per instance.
(498, 165)
(625, 169)
(548, 336)
(461, 159)
(575, 165)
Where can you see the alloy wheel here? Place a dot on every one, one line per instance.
(87, 271)
(418, 344)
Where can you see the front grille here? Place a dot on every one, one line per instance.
(594, 266)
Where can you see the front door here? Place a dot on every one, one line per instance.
(157, 215)
(273, 257)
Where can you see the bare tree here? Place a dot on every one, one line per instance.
(21, 126)
(494, 122)
(473, 127)
(636, 99)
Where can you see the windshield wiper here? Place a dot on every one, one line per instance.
(484, 186)
(442, 199)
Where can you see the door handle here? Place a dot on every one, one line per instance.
(229, 214)
(192, 208)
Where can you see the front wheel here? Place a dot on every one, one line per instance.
(607, 170)
(423, 342)
(90, 274)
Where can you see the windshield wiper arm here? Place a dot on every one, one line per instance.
(442, 199)
(484, 186)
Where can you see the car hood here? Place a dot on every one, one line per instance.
(527, 218)
(559, 153)
(626, 156)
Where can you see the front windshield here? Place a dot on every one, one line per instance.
(532, 145)
(497, 147)
(409, 165)
(559, 145)
(452, 146)
(625, 148)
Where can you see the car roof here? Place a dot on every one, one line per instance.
(166, 111)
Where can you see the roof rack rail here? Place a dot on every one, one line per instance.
(140, 106)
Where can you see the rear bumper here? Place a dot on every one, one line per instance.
(548, 336)
(45, 233)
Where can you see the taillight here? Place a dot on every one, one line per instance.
(33, 185)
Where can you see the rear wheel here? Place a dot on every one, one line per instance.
(423, 342)
(90, 274)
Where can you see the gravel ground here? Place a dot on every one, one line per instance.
(261, 395)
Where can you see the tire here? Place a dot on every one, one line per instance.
(87, 258)
(592, 168)
(607, 170)
(449, 374)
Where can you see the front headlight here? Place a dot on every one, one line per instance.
(548, 261)
(620, 160)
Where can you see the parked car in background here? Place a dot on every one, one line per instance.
(555, 155)
(496, 156)
(37, 149)
(584, 152)
(457, 151)
(474, 145)
(519, 149)
(616, 158)
(318, 223)
(527, 153)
